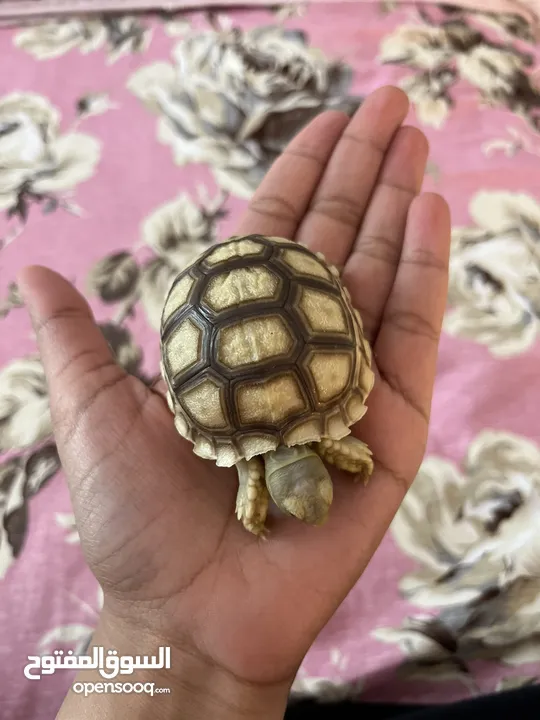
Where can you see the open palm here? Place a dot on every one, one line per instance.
(157, 523)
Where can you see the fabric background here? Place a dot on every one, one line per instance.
(127, 144)
(19, 8)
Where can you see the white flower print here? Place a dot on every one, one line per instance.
(494, 289)
(25, 418)
(476, 539)
(121, 35)
(20, 478)
(180, 230)
(67, 522)
(444, 52)
(234, 99)
(38, 163)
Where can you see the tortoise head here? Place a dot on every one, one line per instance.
(299, 483)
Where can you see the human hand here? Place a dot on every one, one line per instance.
(157, 523)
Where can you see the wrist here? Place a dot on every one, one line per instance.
(191, 688)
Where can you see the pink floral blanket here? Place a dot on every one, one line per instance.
(129, 143)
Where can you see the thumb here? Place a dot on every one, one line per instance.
(86, 385)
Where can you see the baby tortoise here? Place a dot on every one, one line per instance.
(267, 368)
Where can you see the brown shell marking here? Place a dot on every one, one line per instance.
(260, 347)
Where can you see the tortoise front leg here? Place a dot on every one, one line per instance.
(252, 498)
(348, 454)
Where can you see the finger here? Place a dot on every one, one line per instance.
(283, 196)
(158, 386)
(407, 345)
(371, 268)
(332, 221)
(78, 363)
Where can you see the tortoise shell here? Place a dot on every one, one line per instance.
(260, 346)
